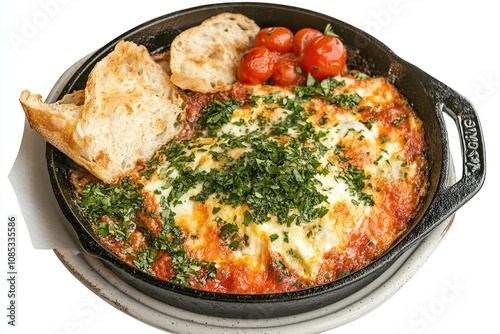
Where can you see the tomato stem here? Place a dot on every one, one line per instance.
(329, 31)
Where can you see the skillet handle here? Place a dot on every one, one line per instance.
(451, 198)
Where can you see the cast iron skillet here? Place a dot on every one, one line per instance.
(429, 97)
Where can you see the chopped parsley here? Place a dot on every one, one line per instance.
(326, 90)
(144, 259)
(343, 274)
(272, 179)
(229, 233)
(399, 120)
(217, 113)
(119, 202)
(355, 179)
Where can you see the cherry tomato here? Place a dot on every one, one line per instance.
(278, 39)
(302, 38)
(288, 72)
(256, 66)
(324, 56)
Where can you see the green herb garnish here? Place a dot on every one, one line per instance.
(119, 202)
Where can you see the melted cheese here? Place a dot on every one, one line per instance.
(372, 146)
(369, 171)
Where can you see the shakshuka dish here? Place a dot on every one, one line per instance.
(303, 171)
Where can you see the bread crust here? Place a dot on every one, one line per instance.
(55, 123)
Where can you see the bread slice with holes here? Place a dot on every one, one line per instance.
(204, 58)
(128, 110)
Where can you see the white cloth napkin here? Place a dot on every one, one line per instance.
(47, 226)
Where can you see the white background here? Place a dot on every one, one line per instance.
(456, 42)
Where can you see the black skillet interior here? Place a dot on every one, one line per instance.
(427, 96)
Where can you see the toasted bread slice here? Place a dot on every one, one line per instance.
(204, 58)
(128, 110)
